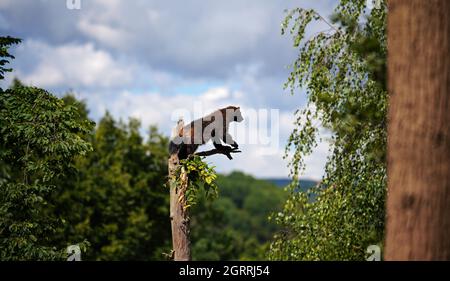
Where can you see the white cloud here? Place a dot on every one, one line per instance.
(217, 94)
(6, 3)
(104, 33)
(72, 66)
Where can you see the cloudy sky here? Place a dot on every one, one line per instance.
(148, 59)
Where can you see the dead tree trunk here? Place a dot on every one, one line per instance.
(179, 215)
(418, 205)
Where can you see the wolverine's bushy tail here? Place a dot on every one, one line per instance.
(175, 143)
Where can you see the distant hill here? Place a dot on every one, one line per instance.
(282, 182)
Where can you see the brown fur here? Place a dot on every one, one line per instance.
(193, 135)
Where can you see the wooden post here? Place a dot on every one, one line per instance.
(179, 215)
(418, 205)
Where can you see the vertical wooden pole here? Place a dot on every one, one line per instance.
(179, 216)
(418, 205)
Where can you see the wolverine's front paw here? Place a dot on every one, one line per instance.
(235, 145)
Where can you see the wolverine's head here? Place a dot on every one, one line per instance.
(235, 112)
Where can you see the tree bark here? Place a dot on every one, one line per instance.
(418, 204)
(179, 215)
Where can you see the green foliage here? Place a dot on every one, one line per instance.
(200, 177)
(64, 183)
(5, 43)
(39, 139)
(116, 201)
(343, 72)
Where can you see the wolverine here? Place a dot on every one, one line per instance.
(186, 139)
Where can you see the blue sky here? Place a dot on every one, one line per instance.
(147, 58)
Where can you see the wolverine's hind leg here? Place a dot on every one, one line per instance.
(216, 140)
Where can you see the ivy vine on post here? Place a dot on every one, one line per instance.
(186, 177)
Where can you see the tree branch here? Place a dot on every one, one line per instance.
(223, 149)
